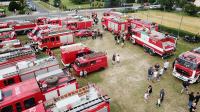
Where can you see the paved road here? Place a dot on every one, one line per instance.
(39, 9)
(57, 14)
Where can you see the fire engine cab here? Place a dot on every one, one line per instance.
(86, 99)
(187, 66)
(114, 25)
(24, 95)
(90, 62)
(7, 34)
(8, 59)
(55, 39)
(69, 53)
(138, 23)
(25, 70)
(154, 42)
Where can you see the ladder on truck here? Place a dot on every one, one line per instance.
(17, 53)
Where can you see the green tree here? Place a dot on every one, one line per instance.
(168, 4)
(14, 5)
(191, 9)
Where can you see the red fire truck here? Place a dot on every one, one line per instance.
(10, 43)
(27, 94)
(26, 70)
(70, 52)
(137, 23)
(187, 66)
(39, 29)
(78, 23)
(21, 27)
(8, 59)
(90, 62)
(154, 42)
(86, 99)
(114, 25)
(56, 39)
(7, 34)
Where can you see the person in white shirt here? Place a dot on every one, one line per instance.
(118, 58)
(146, 97)
(166, 65)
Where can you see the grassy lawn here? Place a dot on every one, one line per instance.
(70, 5)
(46, 6)
(191, 24)
(8, 13)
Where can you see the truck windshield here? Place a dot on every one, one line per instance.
(81, 64)
(77, 63)
(187, 63)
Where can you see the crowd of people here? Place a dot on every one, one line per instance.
(120, 39)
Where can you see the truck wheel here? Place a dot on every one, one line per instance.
(52, 80)
(146, 49)
(151, 52)
(133, 41)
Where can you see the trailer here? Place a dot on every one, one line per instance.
(69, 53)
(154, 42)
(86, 99)
(187, 66)
(25, 70)
(11, 57)
(29, 93)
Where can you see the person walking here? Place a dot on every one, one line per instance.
(162, 95)
(146, 97)
(157, 66)
(113, 59)
(197, 97)
(166, 65)
(193, 107)
(185, 86)
(115, 37)
(150, 73)
(84, 73)
(149, 90)
(122, 42)
(155, 75)
(118, 58)
(81, 73)
(161, 71)
(191, 99)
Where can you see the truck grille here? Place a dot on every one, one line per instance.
(182, 72)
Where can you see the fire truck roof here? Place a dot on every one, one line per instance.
(19, 91)
(73, 47)
(91, 56)
(84, 98)
(6, 72)
(191, 56)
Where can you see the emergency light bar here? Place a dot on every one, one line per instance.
(1, 96)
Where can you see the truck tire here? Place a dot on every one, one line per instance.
(52, 80)
(133, 41)
(146, 49)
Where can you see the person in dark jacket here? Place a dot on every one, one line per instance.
(197, 97)
(185, 86)
(150, 73)
(149, 90)
(193, 107)
(162, 95)
(191, 99)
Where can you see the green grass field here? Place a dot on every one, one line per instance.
(46, 6)
(191, 24)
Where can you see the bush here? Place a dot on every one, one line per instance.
(191, 9)
(14, 5)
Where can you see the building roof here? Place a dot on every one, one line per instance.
(18, 91)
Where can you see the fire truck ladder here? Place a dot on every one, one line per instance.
(17, 53)
(89, 104)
